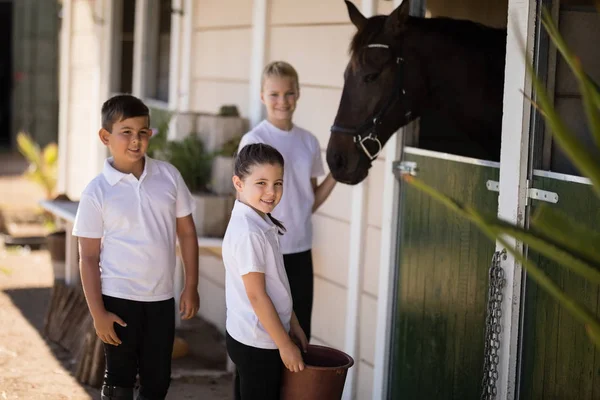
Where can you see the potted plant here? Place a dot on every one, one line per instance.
(222, 167)
(43, 167)
(194, 163)
(218, 129)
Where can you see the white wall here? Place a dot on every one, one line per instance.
(80, 100)
(222, 43)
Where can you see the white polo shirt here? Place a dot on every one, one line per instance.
(302, 155)
(251, 245)
(136, 220)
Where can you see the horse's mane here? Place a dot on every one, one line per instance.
(467, 33)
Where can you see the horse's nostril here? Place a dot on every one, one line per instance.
(339, 161)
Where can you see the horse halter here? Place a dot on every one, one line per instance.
(367, 131)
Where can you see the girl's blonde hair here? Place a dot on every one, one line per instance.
(280, 69)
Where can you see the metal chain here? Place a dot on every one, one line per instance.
(493, 328)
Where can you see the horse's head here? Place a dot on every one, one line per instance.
(374, 102)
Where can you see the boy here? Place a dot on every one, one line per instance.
(127, 222)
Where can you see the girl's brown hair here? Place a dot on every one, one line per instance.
(255, 154)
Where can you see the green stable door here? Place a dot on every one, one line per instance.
(558, 359)
(442, 284)
(442, 281)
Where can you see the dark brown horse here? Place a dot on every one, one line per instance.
(404, 67)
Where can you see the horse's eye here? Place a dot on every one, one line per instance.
(371, 77)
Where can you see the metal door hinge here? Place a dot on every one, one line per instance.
(405, 168)
(541, 195)
(493, 186)
(532, 193)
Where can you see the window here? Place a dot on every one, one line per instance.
(156, 74)
(123, 40)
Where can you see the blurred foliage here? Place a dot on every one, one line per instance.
(192, 161)
(229, 148)
(43, 163)
(189, 155)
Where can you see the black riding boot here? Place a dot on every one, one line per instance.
(116, 393)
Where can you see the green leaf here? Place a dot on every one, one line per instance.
(533, 271)
(50, 155)
(594, 335)
(494, 233)
(28, 148)
(190, 158)
(587, 88)
(537, 242)
(567, 233)
(547, 248)
(583, 158)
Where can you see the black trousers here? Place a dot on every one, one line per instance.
(146, 348)
(299, 268)
(257, 372)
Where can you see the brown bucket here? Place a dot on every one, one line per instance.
(323, 377)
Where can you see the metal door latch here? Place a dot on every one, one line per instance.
(405, 168)
(532, 193)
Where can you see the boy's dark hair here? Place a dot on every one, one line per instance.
(258, 154)
(121, 107)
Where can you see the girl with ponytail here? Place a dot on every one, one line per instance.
(262, 329)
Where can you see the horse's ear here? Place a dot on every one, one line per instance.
(397, 19)
(356, 17)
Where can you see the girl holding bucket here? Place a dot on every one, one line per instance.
(280, 91)
(262, 327)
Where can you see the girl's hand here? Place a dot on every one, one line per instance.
(291, 357)
(189, 302)
(104, 325)
(298, 335)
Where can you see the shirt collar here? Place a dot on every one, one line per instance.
(113, 176)
(242, 209)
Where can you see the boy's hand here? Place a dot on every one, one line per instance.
(189, 302)
(298, 335)
(291, 357)
(105, 329)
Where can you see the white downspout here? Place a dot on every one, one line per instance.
(259, 57)
(103, 10)
(64, 98)
(513, 178)
(140, 31)
(175, 54)
(355, 267)
(187, 51)
(179, 94)
(387, 265)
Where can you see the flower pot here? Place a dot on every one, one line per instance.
(222, 172)
(216, 130)
(323, 377)
(212, 214)
(56, 243)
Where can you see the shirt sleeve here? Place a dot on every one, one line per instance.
(317, 163)
(246, 140)
(185, 204)
(250, 254)
(88, 220)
